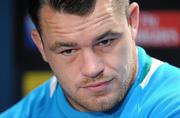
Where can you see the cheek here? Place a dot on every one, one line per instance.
(68, 80)
(118, 58)
(119, 63)
(67, 74)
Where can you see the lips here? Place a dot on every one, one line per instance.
(98, 86)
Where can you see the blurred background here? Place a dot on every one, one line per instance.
(21, 65)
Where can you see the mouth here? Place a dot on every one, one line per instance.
(98, 86)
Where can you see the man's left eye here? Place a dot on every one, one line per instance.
(107, 42)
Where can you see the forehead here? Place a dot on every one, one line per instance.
(63, 24)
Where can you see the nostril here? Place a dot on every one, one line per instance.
(97, 75)
(92, 71)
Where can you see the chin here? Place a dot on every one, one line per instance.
(103, 103)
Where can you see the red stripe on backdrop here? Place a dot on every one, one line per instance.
(159, 29)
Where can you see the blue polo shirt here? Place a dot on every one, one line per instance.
(154, 94)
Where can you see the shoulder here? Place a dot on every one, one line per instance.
(167, 76)
(32, 103)
(162, 94)
(170, 68)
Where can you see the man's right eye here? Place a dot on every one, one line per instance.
(68, 52)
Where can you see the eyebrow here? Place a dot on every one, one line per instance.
(108, 34)
(58, 44)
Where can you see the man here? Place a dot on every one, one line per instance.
(98, 70)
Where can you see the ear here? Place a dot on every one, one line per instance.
(133, 19)
(38, 42)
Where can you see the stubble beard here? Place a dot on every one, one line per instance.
(100, 103)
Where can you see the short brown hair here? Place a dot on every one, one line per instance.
(77, 7)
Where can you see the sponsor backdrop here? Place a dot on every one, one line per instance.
(159, 29)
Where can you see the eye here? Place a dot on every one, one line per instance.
(106, 42)
(68, 52)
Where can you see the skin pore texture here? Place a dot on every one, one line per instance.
(94, 57)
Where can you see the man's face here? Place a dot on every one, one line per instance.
(92, 56)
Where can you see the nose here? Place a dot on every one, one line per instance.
(92, 66)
